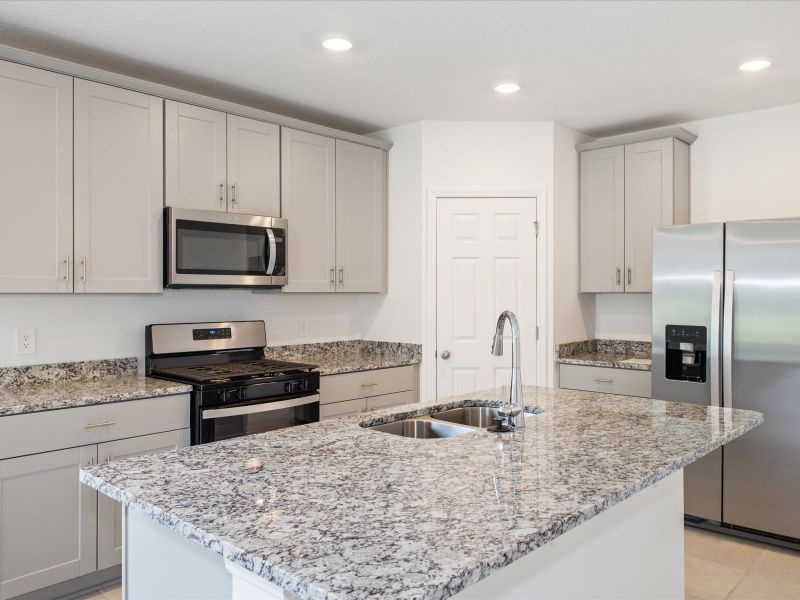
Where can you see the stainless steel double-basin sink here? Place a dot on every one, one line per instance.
(444, 424)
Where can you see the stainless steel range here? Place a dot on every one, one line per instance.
(236, 390)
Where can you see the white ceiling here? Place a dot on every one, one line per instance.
(599, 67)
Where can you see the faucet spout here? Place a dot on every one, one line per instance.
(516, 377)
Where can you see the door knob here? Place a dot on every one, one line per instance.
(446, 354)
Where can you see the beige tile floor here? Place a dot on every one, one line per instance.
(718, 567)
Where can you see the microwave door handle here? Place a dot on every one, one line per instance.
(272, 251)
(262, 407)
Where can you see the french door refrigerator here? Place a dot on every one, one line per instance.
(726, 332)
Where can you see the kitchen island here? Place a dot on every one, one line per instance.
(585, 501)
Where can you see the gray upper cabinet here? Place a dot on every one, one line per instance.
(626, 190)
(36, 171)
(334, 197)
(360, 218)
(308, 192)
(47, 520)
(119, 190)
(217, 161)
(602, 222)
(195, 157)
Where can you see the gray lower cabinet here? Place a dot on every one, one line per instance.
(53, 529)
(47, 520)
(364, 391)
(109, 512)
(606, 380)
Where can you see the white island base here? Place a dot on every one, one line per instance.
(633, 550)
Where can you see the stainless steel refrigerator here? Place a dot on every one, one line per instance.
(726, 332)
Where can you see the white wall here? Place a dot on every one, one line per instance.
(573, 313)
(83, 327)
(743, 166)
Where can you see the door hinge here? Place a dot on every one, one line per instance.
(537, 332)
(536, 228)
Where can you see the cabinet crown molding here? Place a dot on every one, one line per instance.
(639, 136)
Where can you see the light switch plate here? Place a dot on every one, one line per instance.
(26, 341)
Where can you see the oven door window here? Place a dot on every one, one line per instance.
(258, 421)
(204, 248)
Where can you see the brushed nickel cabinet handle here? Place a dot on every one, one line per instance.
(333, 275)
(629, 275)
(101, 424)
(341, 275)
(83, 264)
(619, 276)
(108, 457)
(602, 380)
(66, 273)
(233, 193)
(222, 193)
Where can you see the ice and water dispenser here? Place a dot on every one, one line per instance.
(686, 353)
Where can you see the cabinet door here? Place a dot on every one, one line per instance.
(253, 167)
(360, 218)
(48, 520)
(308, 201)
(648, 203)
(109, 512)
(342, 409)
(36, 171)
(194, 147)
(118, 189)
(602, 219)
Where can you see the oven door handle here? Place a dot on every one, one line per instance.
(233, 411)
(272, 249)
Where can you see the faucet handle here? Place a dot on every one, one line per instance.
(509, 410)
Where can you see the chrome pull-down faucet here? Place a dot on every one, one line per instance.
(516, 377)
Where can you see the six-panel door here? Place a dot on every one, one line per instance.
(253, 167)
(109, 512)
(602, 219)
(47, 520)
(308, 191)
(36, 171)
(195, 157)
(118, 190)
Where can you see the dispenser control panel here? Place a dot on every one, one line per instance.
(686, 353)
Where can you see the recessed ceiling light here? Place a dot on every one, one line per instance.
(755, 65)
(337, 44)
(506, 88)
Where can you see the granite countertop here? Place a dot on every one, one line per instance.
(335, 510)
(70, 385)
(617, 354)
(351, 356)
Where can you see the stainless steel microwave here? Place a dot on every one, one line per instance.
(205, 248)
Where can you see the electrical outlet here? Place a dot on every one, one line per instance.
(302, 329)
(26, 341)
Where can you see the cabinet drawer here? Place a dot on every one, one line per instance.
(626, 382)
(341, 409)
(336, 388)
(387, 400)
(65, 428)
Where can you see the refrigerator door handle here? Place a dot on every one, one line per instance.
(727, 343)
(714, 336)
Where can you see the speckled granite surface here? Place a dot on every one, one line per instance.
(69, 385)
(67, 371)
(349, 356)
(619, 354)
(334, 510)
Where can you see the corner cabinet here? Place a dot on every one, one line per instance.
(626, 190)
(334, 197)
(54, 529)
(36, 171)
(223, 162)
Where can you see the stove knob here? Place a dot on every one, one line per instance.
(287, 388)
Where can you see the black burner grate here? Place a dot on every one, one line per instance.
(234, 370)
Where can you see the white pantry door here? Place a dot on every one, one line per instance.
(485, 264)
